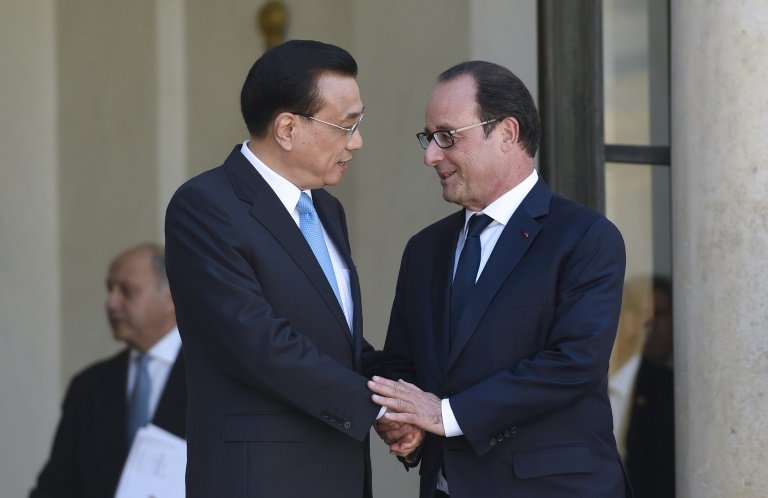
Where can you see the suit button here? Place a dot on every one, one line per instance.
(513, 430)
(507, 433)
(499, 438)
(347, 424)
(492, 442)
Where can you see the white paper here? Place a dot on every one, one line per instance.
(155, 466)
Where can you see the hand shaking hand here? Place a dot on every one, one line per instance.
(408, 404)
(403, 439)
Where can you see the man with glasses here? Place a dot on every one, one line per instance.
(506, 311)
(266, 293)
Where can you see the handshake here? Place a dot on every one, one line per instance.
(410, 412)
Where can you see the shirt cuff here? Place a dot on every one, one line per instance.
(450, 425)
(381, 412)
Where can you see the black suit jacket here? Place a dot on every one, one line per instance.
(650, 442)
(526, 374)
(277, 406)
(90, 446)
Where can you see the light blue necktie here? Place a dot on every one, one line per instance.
(310, 226)
(138, 404)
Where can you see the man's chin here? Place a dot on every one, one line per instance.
(120, 334)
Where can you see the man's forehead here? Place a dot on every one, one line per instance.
(461, 88)
(340, 94)
(134, 263)
(451, 104)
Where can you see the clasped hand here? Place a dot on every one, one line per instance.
(410, 412)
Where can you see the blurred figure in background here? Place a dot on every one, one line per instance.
(107, 402)
(636, 313)
(650, 437)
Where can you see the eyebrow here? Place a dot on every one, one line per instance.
(354, 115)
(439, 128)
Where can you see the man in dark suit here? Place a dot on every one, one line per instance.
(507, 310)
(95, 431)
(650, 439)
(267, 295)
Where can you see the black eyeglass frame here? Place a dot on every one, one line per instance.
(446, 136)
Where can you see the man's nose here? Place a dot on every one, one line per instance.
(433, 154)
(355, 142)
(112, 301)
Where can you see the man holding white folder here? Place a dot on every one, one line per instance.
(109, 401)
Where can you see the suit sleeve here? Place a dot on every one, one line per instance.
(397, 359)
(59, 475)
(575, 360)
(219, 298)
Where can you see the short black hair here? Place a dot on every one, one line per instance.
(284, 79)
(500, 94)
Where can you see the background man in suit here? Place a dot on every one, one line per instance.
(103, 408)
(267, 294)
(650, 437)
(508, 316)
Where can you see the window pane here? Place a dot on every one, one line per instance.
(640, 370)
(636, 73)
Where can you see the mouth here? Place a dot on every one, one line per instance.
(343, 164)
(445, 175)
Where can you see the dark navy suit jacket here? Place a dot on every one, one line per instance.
(277, 406)
(91, 445)
(526, 375)
(650, 443)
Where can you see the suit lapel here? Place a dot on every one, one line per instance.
(328, 212)
(115, 402)
(515, 240)
(442, 278)
(171, 409)
(270, 212)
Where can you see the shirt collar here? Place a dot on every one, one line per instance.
(621, 382)
(165, 350)
(287, 192)
(502, 209)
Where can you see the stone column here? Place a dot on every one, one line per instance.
(30, 297)
(719, 69)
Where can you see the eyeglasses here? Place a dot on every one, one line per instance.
(350, 130)
(444, 138)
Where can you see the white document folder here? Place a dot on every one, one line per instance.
(155, 466)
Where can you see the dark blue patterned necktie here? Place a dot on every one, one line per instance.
(466, 270)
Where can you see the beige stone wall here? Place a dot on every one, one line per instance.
(29, 245)
(720, 221)
(107, 89)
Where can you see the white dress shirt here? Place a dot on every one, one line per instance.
(621, 386)
(289, 195)
(162, 356)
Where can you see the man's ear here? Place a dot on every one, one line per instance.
(283, 130)
(510, 133)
